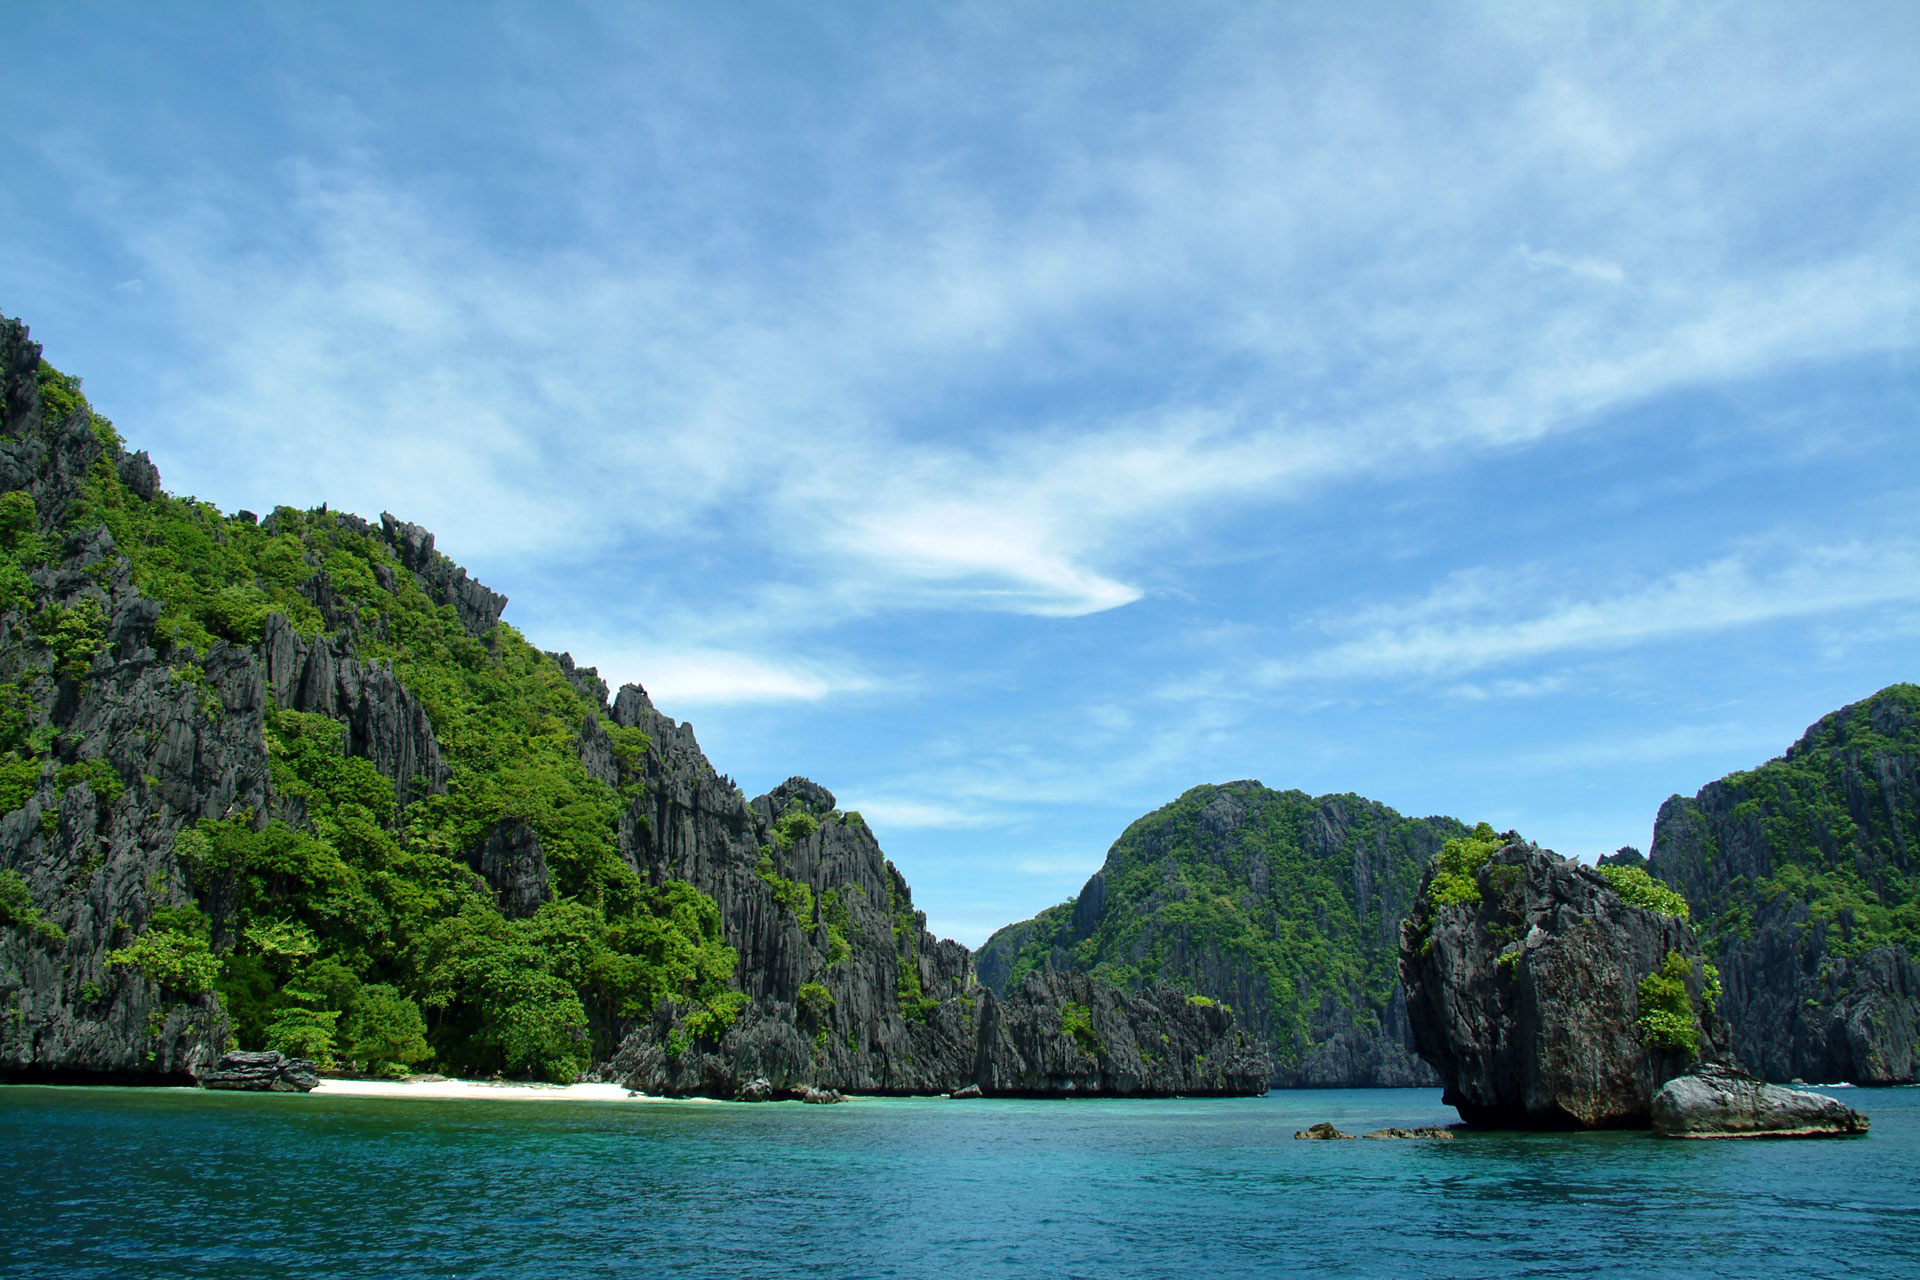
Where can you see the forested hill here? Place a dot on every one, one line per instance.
(290, 782)
(1285, 906)
(1804, 876)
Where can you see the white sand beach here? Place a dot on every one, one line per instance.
(491, 1089)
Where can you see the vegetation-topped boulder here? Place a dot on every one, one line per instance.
(1551, 995)
(1805, 876)
(1281, 905)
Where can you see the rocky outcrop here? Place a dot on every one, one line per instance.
(383, 722)
(1338, 869)
(266, 1072)
(1776, 860)
(1723, 1103)
(1526, 1001)
(1063, 1034)
(1431, 1133)
(1325, 1131)
(511, 860)
(444, 581)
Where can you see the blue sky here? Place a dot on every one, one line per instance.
(1011, 416)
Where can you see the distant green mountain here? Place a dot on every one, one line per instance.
(1804, 877)
(1285, 906)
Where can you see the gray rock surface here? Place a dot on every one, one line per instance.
(1722, 1103)
(1151, 1043)
(444, 581)
(1526, 1002)
(1431, 1133)
(263, 1072)
(511, 860)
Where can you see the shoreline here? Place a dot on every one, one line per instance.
(495, 1090)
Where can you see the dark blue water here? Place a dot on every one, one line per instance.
(110, 1182)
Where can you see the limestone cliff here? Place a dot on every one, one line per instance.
(1805, 876)
(291, 781)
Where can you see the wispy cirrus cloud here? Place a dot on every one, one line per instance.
(920, 383)
(1481, 619)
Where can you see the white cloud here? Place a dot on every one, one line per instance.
(885, 813)
(1470, 623)
(1004, 392)
(680, 678)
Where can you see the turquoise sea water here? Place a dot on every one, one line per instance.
(134, 1183)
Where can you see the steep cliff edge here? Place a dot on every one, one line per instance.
(291, 783)
(1543, 997)
(844, 987)
(1805, 876)
(1283, 906)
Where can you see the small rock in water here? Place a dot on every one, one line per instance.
(814, 1094)
(1445, 1135)
(1322, 1131)
(1720, 1102)
(971, 1091)
(758, 1089)
(268, 1071)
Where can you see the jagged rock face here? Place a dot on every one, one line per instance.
(183, 750)
(1341, 867)
(1808, 993)
(1153, 1043)
(845, 988)
(444, 581)
(264, 1072)
(904, 1013)
(384, 722)
(1527, 1002)
(511, 860)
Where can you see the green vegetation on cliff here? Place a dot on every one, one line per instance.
(1834, 825)
(1284, 905)
(341, 925)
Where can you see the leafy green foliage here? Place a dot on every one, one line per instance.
(909, 990)
(17, 911)
(1642, 890)
(795, 895)
(717, 1017)
(815, 1001)
(1457, 869)
(794, 825)
(1667, 1019)
(839, 921)
(76, 634)
(173, 953)
(1076, 1020)
(98, 775)
(357, 932)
